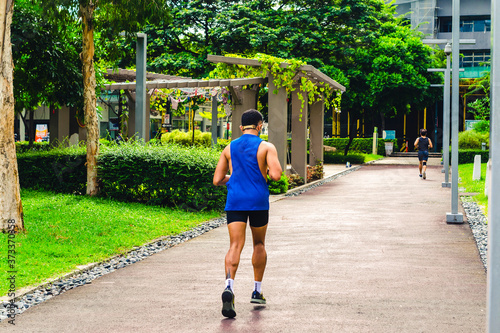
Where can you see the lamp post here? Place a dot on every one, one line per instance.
(446, 118)
(493, 307)
(455, 216)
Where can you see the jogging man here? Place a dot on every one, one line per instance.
(249, 160)
(423, 143)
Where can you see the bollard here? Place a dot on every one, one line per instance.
(476, 173)
(483, 145)
(375, 141)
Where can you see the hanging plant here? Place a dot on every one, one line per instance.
(284, 77)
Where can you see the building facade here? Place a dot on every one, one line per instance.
(434, 19)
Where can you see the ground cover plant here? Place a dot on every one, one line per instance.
(64, 231)
(474, 186)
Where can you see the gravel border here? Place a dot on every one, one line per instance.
(477, 222)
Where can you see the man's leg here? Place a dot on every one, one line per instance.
(424, 168)
(259, 257)
(236, 243)
(420, 167)
(259, 260)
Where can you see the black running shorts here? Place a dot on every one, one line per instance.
(423, 155)
(258, 218)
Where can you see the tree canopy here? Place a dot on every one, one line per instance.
(359, 43)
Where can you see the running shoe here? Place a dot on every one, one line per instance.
(257, 298)
(228, 303)
(420, 176)
(424, 176)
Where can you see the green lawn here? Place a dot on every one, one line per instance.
(474, 186)
(64, 231)
(372, 157)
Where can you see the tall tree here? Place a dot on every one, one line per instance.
(115, 16)
(11, 209)
(47, 66)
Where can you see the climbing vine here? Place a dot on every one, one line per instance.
(284, 77)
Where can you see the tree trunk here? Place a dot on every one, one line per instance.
(89, 97)
(31, 128)
(352, 134)
(382, 122)
(11, 209)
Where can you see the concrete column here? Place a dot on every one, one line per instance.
(22, 128)
(277, 117)
(141, 96)
(248, 101)
(131, 114)
(147, 119)
(299, 134)
(214, 120)
(316, 130)
(59, 125)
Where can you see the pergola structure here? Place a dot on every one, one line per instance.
(244, 99)
(277, 114)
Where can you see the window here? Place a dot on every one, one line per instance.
(466, 26)
(474, 58)
(469, 24)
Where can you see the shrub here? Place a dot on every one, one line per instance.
(482, 127)
(360, 145)
(467, 155)
(203, 139)
(162, 175)
(279, 186)
(294, 180)
(59, 170)
(315, 172)
(339, 158)
(472, 139)
(222, 143)
(23, 146)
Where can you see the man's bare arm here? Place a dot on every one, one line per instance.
(273, 162)
(220, 175)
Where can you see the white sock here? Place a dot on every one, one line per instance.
(230, 283)
(258, 286)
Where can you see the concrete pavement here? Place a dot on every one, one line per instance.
(367, 252)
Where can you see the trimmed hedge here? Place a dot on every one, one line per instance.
(339, 158)
(165, 175)
(59, 170)
(23, 146)
(467, 155)
(162, 175)
(360, 145)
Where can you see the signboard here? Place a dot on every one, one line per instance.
(469, 124)
(389, 134)
(42, 131)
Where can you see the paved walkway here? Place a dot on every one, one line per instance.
(367, 252)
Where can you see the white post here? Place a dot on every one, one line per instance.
(375, 139)
(493, 309)
(455, 216)
(446, 125)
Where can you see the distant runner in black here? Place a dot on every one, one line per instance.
(423, 143)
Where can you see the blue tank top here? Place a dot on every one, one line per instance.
(246, 189)
(423, 144)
